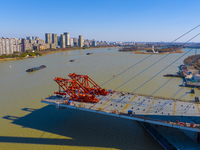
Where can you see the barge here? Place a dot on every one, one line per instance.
(173, 75)
(89, 53)
(72, 60)
(36, 68)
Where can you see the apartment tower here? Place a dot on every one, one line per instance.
(80, 41)
(47, 38)
(66, 39)
(55, 39)
(62, 41)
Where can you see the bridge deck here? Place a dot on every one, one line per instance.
(177, 114)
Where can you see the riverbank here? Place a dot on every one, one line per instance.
(46, 52)
(157, 50)
(17, 58)
(177, 51)
(193, 60)
(52, 51)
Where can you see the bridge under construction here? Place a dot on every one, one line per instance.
(174, 124)
(82, 93)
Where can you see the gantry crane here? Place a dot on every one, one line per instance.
(80, 88)
(88, 84)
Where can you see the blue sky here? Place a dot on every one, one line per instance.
(110, 20)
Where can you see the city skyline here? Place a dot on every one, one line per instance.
(51, 41)
(112, 20)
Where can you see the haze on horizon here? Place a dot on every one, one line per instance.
(107, 20)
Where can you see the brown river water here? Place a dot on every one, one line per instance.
(26, 123)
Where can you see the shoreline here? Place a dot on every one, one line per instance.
(161, 53)
(158, 53)
(179, 51)
(192, 60)
(9, 59)
(51, 51)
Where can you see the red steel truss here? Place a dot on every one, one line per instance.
(80, 88)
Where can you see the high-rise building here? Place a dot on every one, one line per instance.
(66, 38)
(58, 40)
(71, 42)
(7, 46)
(75, 41)
(24, 45)
(55, 39)
(94, 43)
(62, 41)
(3, 46)
(34, 37)
(47, 38)
(11, 44)
(80, 41)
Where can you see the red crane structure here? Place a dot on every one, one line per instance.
(80, 88)
(88, 84)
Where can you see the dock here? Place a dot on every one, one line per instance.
(187, 73)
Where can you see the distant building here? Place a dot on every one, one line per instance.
(67, 39)
(58, 40)
(47, 46)
(53, 46)
(6, 46)
(17, 48)
(75, 41)
(40, 41)
(62, 41)
(80, 41)
(47, 38)
(71, 42)
(37, 38)
(11, 45)
(28, 38)
(55, 39)
(86, 43)
(24, 45)
(94, 43)
(41, 47)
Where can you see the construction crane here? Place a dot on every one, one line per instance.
(87, 84)
(80, 88)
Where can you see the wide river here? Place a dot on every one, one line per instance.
(26, 123)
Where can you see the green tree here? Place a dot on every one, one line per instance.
(38, 54)
(32, 54)
(23, 55)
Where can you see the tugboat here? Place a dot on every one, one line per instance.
(89, 53)
(36, 68)
(72, 60)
